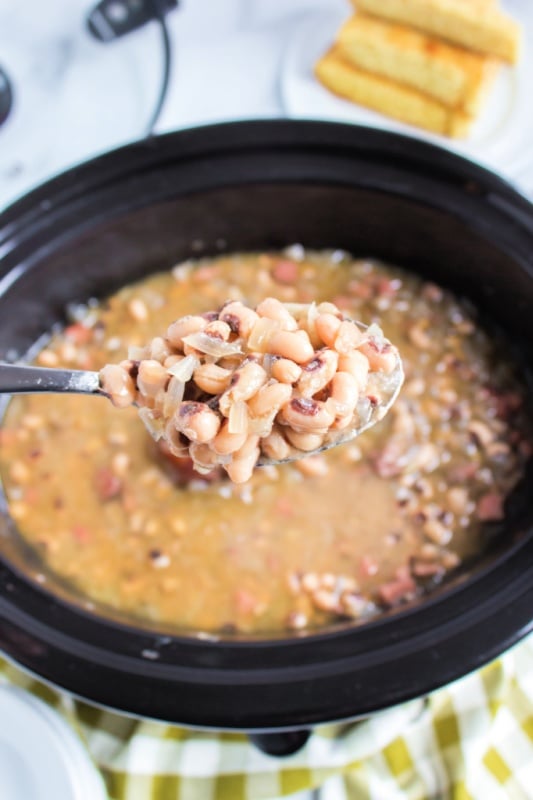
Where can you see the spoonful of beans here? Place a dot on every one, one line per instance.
(241, 387)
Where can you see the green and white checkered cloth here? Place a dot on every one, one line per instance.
(472, 740)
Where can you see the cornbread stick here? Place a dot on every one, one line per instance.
(470, 23)
(388, 97)
(456, 77)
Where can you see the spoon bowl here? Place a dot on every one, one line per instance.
(372, 405)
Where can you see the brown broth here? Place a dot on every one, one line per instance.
(343, 535)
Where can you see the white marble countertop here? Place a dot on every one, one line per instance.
(76, 98)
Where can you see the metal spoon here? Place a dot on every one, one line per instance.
(18, 379)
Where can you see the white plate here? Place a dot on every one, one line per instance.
(41, 758)
(502, 137)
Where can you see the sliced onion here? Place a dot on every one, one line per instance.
(298, 310)
(183, 370)
(238, 417)
(261, 333)
(154, 425)
(268, 360)
(173, 397)
(174, 443)
(374, 332)
(211, 345)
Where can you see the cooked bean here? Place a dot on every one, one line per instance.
(348, 337)
(304, 414)
(317, 373)
(197, 421)
(247, 380)
(344, 393)
(248, 447)
(269, 398)
(118, 384)
(274, 309)
(218, 329)
(212, 379)
(285, 371)
(240, 469)
(381, 356)
(239, 317)
(294, 345)
(457, 498)
(437, 532)
(152, 377)
(226, 442)
(183, 327)
(159, 349)
(275, 445)
(138, 310)
(357, 365)
(19, 472)
(304, 441)
(327, 326)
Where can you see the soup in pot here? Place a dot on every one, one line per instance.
(338, 536)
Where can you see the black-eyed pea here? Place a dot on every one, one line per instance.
(19, 472)
(247, 380)
(248, 448)
(326, 600)
(118, 384)
(306, 415)
(273, 309)
(293, 345)
(457, 498)
(225, 442)
(47, 358)
(344, 393)
(138, 310)
(218, 329)
(304, 441)
(348, 337)
(327, 327)
(381, 355)
(343, 422)
(296, 620)
(152, 377)
(329, 308)
(212, 379)
(317, 373)
(275, 446)
(159, 349)
(240, 470)
(357, 365)
(239, 317)
(269, 399)
(170, 361)
(197, 421)
(285, 371)
(184, 327)
(437, 532)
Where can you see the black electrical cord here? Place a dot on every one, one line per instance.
(165, 77)
(112, 19)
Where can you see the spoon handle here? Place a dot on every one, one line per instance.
(15, 379)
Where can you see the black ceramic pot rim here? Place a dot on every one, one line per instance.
(274, 684)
